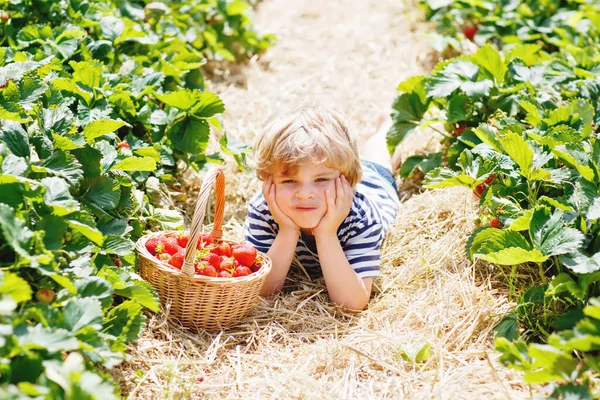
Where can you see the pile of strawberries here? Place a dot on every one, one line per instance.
(216, 259)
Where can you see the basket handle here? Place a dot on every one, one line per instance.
(214, 174)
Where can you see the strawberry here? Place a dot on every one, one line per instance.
(470, 32)
(496, 223)
(4, 15)
(206, 270)
(225, 274)
(123, 145)
(459, 131)
(182, 239)
(242, 271)
(479, 189)
(490, 179)
(245, 255)
(227, 264)
(257, 265)
(212, 259)
(166, 257)
(118, 262)
(204, 240)
(171, 245)
(45, 296)
(222, 249)
(151, 245)
(177, 259)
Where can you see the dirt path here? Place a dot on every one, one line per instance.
(351, 55)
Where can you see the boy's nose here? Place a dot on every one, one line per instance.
(305, 193)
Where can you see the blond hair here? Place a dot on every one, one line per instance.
(310, 134)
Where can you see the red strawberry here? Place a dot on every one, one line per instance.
(227, 264)
(242, 271)
(222, 249)
(459, 131)
(245, 255)
(495, 223)
(479, 189)
(123, 145)
(177, 259)
(182, 239)
(212, 259)
(171, 245)
(257, 265)
(151, 245)
(4, 15)
(204, 240)
(490, 179)
(45, 296)
(470, 32)
(225, 274)
(207, 270)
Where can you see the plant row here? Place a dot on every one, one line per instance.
(519, 128)
(102, 104)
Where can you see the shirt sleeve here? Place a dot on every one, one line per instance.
(258, 230)
(362, 249)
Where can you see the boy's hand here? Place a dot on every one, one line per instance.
(338, 207)
(284, 222)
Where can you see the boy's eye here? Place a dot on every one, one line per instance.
(322, 179)
(289, 181)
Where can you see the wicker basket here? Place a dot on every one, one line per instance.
(197, 301)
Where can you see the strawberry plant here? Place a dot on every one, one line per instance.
(520, 130)
(100, 102)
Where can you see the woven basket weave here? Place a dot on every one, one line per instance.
(197, 301)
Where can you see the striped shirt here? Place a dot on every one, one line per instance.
(372, 212)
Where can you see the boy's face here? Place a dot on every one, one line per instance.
(301, 194)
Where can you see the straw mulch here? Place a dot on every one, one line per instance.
(298, 345)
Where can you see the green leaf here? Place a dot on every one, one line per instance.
(14, 286)
(513, 256)
(488, 135)
(95, 288)
(208, 104)
(148, 152)
(491, 62)
(168, 219)
(86, 230)
(68, 85)
(519, 150)
(183, 100)
(416, 353)
(444, 177)
(15, 138)
(549, 364)
(46, 338)
(136, 164)
(575, 155)
(118, 245)
(105, 193)
(58, 197)
(64, 165)
(508, 327)
(95, 129)
(88, 73)
(111, 27)
(533, 116)
(81, 312)
(14, 231)
(522, 222)
(190, 135)
(126, 321)
(549, 234)
(581, 263)
(143, 293)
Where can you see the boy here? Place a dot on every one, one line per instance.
(320, 205)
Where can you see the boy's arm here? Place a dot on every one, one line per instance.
(281, 253)
(344, 285)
